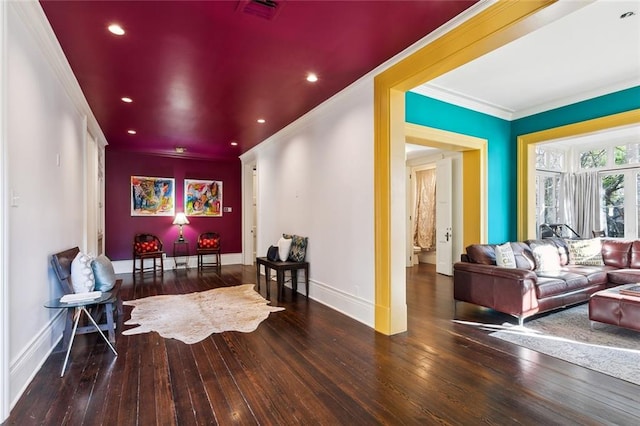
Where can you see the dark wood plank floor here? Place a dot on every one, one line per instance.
(312, 365)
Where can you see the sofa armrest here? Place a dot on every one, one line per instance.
(507, 290)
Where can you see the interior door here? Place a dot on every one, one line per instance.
(444, 237)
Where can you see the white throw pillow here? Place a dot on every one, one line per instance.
(585, 252)
(284, 246)
(82, 278)
(505, 256)
(547, 258)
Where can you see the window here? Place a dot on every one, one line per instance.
(593, 159)
(548, 158)
(612, 203)
(548, 198)
(627, 154)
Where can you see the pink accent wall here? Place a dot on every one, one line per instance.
(120, 226)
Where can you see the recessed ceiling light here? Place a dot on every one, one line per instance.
(261, 120)
(127, 100)
(180, 149)
(131, 132)
(312, 78)
(116, 29)
(627, 15)
(234, 143)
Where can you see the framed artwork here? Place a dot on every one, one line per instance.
(203, 197)
(152, 196)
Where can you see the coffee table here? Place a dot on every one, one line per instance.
(611, 307)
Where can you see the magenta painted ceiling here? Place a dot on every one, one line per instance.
(201, 73)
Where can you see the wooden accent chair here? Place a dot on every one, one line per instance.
(208, 244)
(147, 246)
(101, 312)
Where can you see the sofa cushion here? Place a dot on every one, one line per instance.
(572, 281)
(523, 255)
(547, 287)
(623, 276)
(596, 275)
(634, 261)
(482, 253)
(504, 256)
(616, 253)
(585, 252)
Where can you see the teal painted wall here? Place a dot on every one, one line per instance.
(502, 136)
(501, 173)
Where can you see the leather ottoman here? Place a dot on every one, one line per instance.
(611, 307)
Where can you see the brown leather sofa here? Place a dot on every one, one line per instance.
(526, 290)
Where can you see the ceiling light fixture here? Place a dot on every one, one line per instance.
(116, 29)
(627, 15)
(261, 120)
(181, 149)
(234, 143)
(131, 132)
(127, 100)
(312, 78)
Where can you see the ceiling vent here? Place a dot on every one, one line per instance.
(266, 9)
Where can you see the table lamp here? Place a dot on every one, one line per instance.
(180, 219)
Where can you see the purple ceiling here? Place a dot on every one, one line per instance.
(201, 73)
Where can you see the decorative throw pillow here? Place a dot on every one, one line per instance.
(103, 272)
(212, 243)
(298, 248)
(585, 252)
(505, 256)
(146, 247)
(284, 246)
(82, 278)
(547, 257)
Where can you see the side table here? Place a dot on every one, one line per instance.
(181, 250)
(81, 307)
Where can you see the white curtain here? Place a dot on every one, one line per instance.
(582, 202)
(424, 234)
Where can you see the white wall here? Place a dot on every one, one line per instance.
(315, 179)
(45, 162)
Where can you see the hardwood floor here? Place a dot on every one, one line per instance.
(312, 365)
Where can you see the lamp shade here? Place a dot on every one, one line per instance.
(180, 219)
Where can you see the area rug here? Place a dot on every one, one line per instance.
(567, 335)
(193, 317)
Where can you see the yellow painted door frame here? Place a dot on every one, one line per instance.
(490, 29)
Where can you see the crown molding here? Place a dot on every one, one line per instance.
(34, 19)
(445, 95)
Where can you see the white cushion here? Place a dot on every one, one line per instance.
(284, 246)
(547, 258)
(505, 256)
(82, 278)
(585, 252)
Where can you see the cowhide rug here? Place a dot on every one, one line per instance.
(193, 317)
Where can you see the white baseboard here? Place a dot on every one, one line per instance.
(126, 266)
(354, 307)
(24, 368)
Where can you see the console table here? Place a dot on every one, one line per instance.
(281, 268)
(180, 250)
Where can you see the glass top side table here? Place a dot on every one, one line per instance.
(80, 306)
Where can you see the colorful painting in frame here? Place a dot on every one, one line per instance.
(203, 197)
(152, 196)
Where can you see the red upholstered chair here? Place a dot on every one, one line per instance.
(208, 244)
(147, 246)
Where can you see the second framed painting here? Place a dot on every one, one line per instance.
(203, 197)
